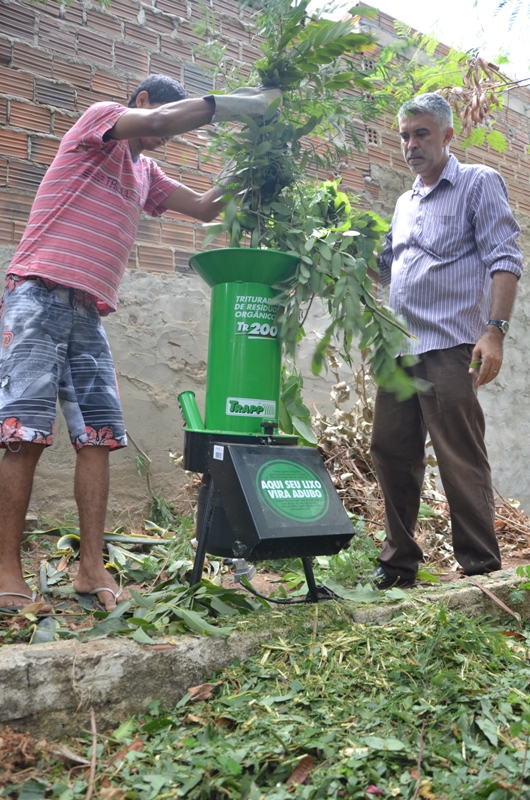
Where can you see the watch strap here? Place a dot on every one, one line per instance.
(500, 323)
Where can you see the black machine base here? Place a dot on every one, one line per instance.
(268, 502)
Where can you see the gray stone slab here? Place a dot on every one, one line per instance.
(48, 689)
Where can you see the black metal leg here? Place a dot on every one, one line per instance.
(202, 538)
(310, 578)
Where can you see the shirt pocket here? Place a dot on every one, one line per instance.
(441, 235)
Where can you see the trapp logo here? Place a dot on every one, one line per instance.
(7, 338)
(250, 407)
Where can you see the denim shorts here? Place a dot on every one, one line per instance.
(54, 347)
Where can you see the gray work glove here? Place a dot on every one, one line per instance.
(225, 177)
(245, 101)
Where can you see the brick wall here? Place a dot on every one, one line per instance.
(513, 121)
(55, 61)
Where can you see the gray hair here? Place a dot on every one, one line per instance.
(430, 103)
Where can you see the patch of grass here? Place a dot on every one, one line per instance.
(432, 705)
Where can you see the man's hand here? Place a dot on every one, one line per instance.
(488, 354)
(245, 101)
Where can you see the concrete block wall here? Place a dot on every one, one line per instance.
(55, 61)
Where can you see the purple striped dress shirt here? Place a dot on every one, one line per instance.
(443, 247)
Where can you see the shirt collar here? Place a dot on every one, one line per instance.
(449, 173)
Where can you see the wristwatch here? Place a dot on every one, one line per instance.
(500, 323)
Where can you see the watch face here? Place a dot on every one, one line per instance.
(505, 327)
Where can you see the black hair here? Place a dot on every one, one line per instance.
(160, 89)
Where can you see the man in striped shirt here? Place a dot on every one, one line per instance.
(452, 262)
(65, 274)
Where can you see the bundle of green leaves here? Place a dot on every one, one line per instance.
(272, 203)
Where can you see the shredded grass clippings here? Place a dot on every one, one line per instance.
(432, 705)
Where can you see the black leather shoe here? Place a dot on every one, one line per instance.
(382, 580)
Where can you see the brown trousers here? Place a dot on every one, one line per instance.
(450, 413)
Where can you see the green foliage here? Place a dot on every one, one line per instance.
(161, 511)
(294, 416)
(433, 704)
(272, 203)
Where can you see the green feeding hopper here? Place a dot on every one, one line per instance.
(244, 353)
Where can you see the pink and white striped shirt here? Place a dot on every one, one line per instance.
(444, 244)
(86, 213)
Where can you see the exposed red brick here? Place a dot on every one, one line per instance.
(351, 178)
(32, 59)
(473, 157)
(130, 58)
(14, 143)
(182, 154)
(15, 205)
(175, 7)
(18, 232)
(59, 95)
(86, 99)
(149, 230)
(220, 240)
(104, 22)
(30, 117)
(49, 10)
(73, 13)
(175, 48)
(196, 181)
(133, 259)
(187, 34)
(94, 47)
(78, 74)
(378, 156)
(250, 53)
(43, 149)
(209, 163)
(176, 215)
(517, 147)
(159, 22)
(25, 176)
(141, 36)
(106, 84)
(155, 259)
(62, 123)
(3, 111)
(125, 9)
(390, 141)
(7, 230)
(232, 28)
(5, 52)
(182, 260)
(56, 35)
(166, 65)
(16, 84)
(523, 206)
(17, 21)
(178, 235)
(198, 137)
(3, 172)
(512, 159)
(232, 7)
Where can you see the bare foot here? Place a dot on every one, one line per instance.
(14, 601)
(109, 595)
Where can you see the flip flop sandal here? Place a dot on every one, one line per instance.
(95, 592)
(13, 611)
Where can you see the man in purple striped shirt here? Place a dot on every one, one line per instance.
(452, 263)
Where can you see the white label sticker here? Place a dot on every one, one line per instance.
(218, 452)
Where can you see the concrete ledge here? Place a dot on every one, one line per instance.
(49, 688)
(458, 596)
